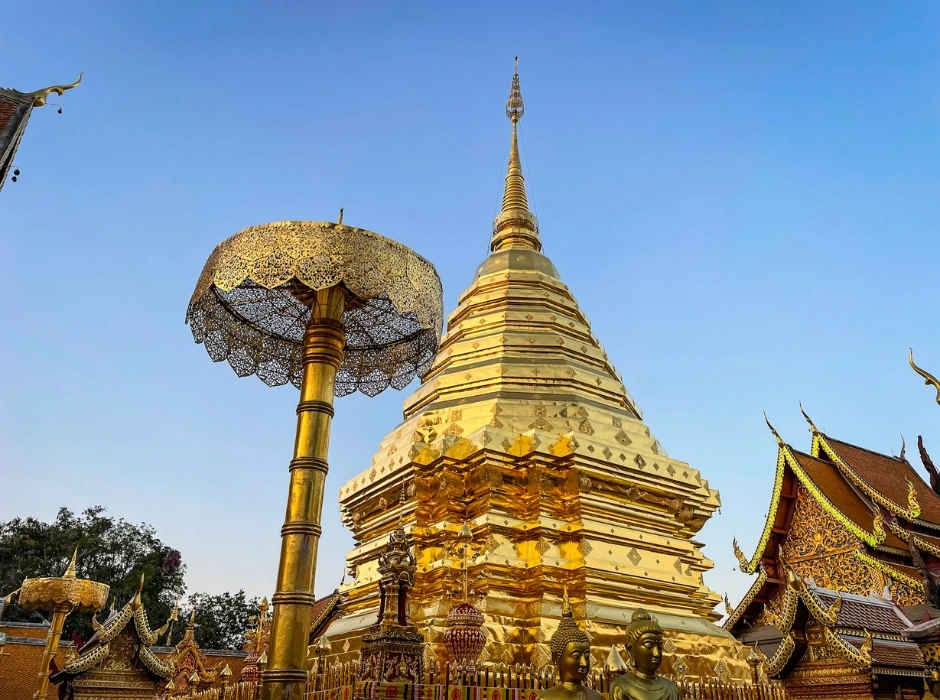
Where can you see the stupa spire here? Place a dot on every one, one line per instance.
(515, 226)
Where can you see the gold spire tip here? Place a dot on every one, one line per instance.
(340, 220)
(515, 226)
(514, 105)
(565, 603)
(70, 571)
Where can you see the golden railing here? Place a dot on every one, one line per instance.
(515, 676)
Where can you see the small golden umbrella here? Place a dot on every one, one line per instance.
(332, 309)
(61, 595)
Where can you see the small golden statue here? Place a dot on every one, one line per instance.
(571, 654)
(645, 649)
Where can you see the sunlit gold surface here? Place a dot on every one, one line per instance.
(40, 97)
(929, 379)
(251, 306)
(332, 309)
(523, 429)
(324, 339)
(644, 638)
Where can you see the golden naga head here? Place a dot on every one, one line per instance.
(929, 379)
(743, 563)
(40, 97)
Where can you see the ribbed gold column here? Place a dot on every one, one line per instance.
(324, 340)
(52, 646)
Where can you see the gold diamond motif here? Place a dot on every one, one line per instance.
(586, 427)
(623, 438)
(679, 667)
(542, 424)
(640, 462)
(634, 556)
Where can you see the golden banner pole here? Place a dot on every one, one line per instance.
(52, 646)
(324, 339)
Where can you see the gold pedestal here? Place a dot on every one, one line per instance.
(293, 600)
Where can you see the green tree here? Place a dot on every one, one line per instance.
(221, 621)
(112, 551)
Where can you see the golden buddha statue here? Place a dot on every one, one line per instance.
(645, 649)
(571, 654)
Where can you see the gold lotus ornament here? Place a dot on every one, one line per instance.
(332, 309)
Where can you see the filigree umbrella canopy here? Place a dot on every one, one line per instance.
(251, 304)
(76, 594)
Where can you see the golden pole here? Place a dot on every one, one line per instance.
(52, 646)
(324, 339)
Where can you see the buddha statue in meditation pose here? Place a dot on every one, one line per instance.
(645, 649)
(571, 654)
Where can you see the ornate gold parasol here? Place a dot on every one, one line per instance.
(332, 309)
(62, 596)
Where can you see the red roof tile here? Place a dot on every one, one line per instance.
(868, 615)
(889, 476)
(898, 655)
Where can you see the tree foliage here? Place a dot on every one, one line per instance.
(111, 551)
(221, 621)
(116, 552)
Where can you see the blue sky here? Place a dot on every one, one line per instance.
(743, 197)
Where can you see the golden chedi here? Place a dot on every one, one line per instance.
(522, 429)
(645, 650)
(571, 655)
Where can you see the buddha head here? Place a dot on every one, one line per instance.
(645, 643)
(571, 648)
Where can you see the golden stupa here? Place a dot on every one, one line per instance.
(523, 430)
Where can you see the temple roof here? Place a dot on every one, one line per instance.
(888, 476)
(878, 498)
(15, 108)
(323, 611)
(97, 649)
(865, 631)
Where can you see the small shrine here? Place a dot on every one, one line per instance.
(256, 644)
(393, 652)
(117, 661)
(190, 668)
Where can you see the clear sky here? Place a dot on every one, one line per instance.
(743, 196)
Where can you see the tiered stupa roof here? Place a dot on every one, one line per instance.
(523, 429)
